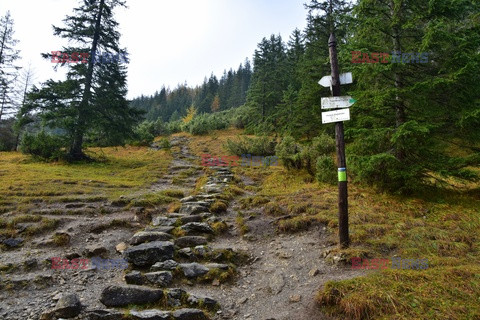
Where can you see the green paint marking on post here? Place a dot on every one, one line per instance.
(342, 174)
(352, 100)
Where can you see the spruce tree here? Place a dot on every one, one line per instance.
(8, 69)
(91, 102)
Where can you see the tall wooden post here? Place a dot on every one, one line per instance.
(340, 142)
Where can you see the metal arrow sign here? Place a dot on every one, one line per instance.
(345, 78)
(337, 102)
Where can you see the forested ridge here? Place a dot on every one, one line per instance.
(408, 116)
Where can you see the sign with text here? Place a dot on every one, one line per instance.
(337, 102)
(336, 116)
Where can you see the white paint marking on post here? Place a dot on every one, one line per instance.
(336, 116)
(337, 102)
(345, 78)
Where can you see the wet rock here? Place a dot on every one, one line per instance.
(159, 278)
(190, 241)
(68, 306)
(144, 236)
(151, 314)
(134, 277)
(197, 227)
(193, 270)
(13, 242)
(163, 221)
(147, 254)
(189, 314)
(104, 314)
(120, 296)
(165, 265)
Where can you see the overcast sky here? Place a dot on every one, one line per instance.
(169, 41)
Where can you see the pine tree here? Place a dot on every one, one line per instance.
(408, 113)
(8, 69)
(92, 98)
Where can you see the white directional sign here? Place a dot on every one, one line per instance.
(336, 116)
(337, 102)
(345, 78)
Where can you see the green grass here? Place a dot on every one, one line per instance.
(441, 226)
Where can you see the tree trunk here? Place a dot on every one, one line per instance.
(76, 152)
(400, 116)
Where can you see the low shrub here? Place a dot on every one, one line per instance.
(259, 146)
(43, 145)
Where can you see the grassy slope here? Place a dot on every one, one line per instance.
(441, 226)
(119, 171)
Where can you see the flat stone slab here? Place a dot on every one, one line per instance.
(190, 241)
(197, 227)
(193, 208)
(193, 270)
(151, 314)
(147, 254)
(121, 296)
(104, 314)
(149, 236)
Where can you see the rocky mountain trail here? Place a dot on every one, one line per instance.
(194, 263)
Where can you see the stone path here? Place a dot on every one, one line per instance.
(194, 263)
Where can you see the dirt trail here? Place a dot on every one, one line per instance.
(279, 280)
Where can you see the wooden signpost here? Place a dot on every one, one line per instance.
(338, 116)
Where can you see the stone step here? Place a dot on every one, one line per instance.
(149, 236)
(146, 254)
